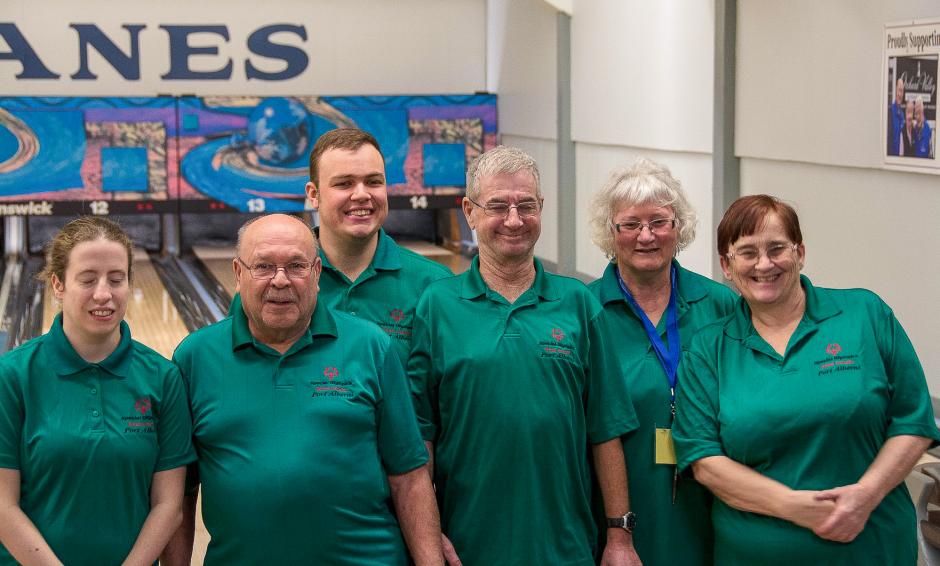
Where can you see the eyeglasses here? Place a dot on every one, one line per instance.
(660, 226)
(751, 255)
(501, 209)
(293, 270)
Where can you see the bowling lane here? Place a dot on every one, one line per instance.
(218, 260)
(152, 318)
(456, 262)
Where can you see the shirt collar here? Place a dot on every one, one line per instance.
(690, 289)
(66, 361)
(387, 253)
(819, 307)
(322, 324)
(474, 286)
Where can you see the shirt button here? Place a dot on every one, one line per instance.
(94, 413)
(353, 313)
(94, 391)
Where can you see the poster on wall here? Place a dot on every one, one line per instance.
(81, 155)
(911, 58)
(251, 153)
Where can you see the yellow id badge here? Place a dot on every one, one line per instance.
(665, 451)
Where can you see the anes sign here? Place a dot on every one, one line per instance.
(125, 58)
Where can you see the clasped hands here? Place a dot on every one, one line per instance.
(837, 514)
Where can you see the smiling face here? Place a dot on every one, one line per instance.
(643, 253)
(350, 193)
(278, 308)
(94, 292)
(766, 282)
(899, 92)
(511, 238)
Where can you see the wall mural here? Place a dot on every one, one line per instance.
(208, 154)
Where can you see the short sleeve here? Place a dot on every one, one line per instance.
(400, 444)
(910, 411)
(695, 431)
(421, 369)
(610, 411)
(11, 418)
(175, 428)
(182, 359)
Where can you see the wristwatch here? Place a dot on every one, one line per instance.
(627, 522)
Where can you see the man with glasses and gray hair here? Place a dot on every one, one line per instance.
(515, 380)
(303, 423)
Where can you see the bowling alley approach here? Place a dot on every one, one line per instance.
(480, 282)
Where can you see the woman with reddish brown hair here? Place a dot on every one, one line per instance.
(95, 431)
(802, 411)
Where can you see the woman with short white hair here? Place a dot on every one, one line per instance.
(653, 306)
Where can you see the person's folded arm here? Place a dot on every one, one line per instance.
(855, 502)
(745, 489)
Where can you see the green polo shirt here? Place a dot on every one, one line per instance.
(515, 393)
(668, 533)
(87, 439)
(386, 292)
(812, 419)
(294, 449)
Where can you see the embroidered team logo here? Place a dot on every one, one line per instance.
(559, 347)
(141, 421)
(331, 385)
(396, 328)
(142, 406)
(837, 360)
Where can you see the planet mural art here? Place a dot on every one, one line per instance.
(263, 168)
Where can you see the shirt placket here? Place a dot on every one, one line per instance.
(95, 407)
(350, 293)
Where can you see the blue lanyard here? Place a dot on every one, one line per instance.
(669, 360)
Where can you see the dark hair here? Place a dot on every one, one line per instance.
(746, 215)
(84, 229)
(349, 139)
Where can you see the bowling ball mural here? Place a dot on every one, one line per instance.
(279, 131)
(87, 155)
(251, 153)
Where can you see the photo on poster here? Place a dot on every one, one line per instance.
(912, 62)
(912, 115)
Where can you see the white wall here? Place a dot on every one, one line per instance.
(694, 171)
(810, 73)
(642, 84)
(545, 153)
(522, 70)
(809, 131)
(354, 47)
